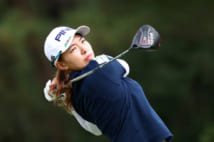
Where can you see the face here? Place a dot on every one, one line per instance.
(78, 55)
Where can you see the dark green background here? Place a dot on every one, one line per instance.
(178, 79)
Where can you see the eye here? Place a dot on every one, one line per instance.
(83, 41)
(72, 49)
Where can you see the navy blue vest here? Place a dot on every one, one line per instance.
(117, 105)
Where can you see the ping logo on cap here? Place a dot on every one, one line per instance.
(62, 32)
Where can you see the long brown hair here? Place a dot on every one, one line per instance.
(62, 78)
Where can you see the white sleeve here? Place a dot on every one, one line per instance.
(125, 66)
(88, 126)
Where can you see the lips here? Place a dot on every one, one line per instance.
(88, 57)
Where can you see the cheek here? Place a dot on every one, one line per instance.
(92, 51)
(77, 62)
(88, 45)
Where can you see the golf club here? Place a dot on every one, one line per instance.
(146, 38)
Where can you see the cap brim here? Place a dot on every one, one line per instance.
(83, 30)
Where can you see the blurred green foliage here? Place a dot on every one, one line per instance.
(178, 79)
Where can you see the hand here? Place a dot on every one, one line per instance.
(52, 87)
(50, 90)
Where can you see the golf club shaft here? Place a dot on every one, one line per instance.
(97, 68)
(145, 38)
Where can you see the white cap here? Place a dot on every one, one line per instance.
(59, 40)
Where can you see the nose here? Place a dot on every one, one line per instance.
(83, 50)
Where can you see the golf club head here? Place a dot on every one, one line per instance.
(146, 38)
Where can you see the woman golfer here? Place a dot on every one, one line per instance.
(105, 102)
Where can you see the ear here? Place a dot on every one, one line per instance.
(61, 66)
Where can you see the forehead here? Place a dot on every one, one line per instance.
(77, 38)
